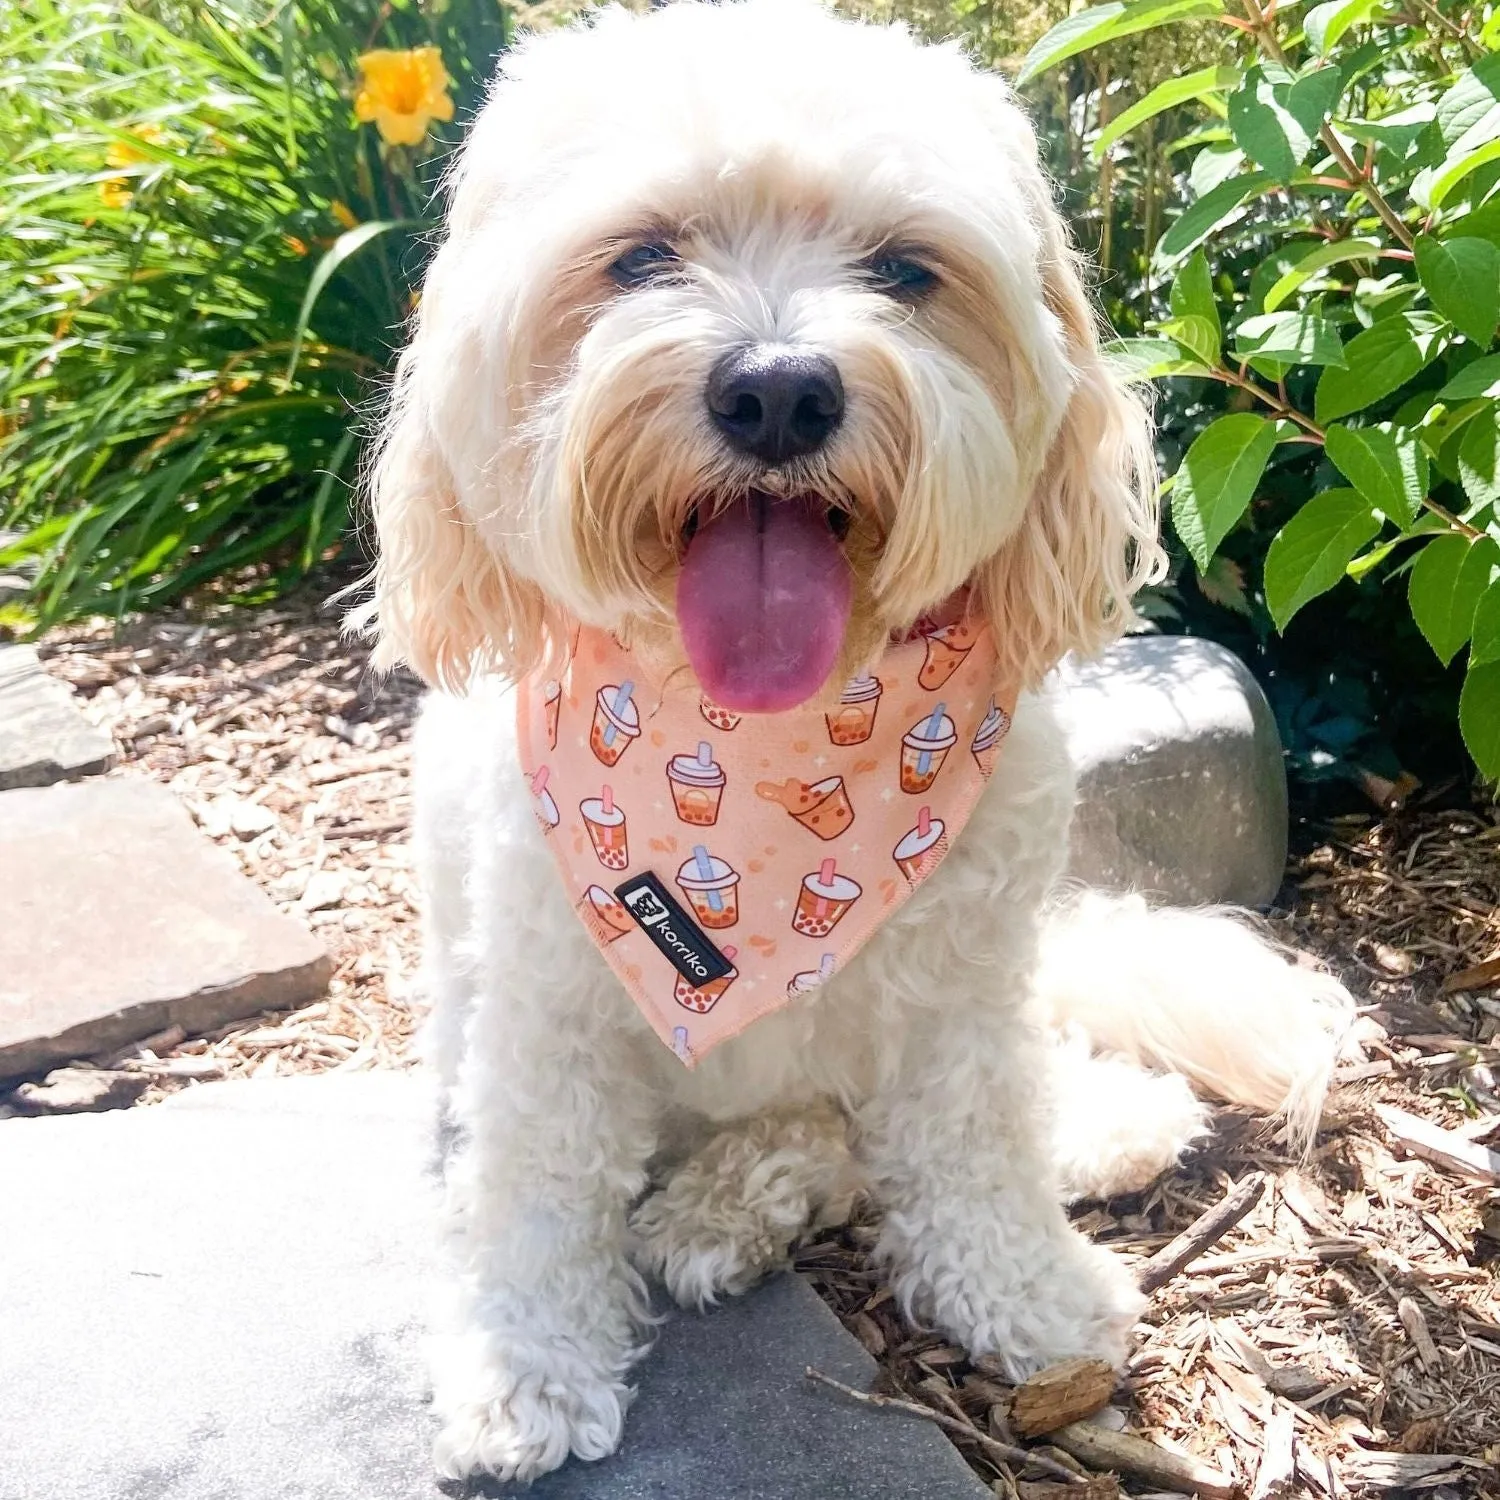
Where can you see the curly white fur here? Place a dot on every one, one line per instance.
(984, 1057)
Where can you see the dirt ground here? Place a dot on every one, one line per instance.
(1343, 1338)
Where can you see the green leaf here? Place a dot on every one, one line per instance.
(1209, 213)
(1150, 359)
(1217, 480)
(1275, 123)
(1379, 360)
(1484, 642)
(1296, 338)
(1397, 132)
(1264, 129)
(1479, 716)
(1482, 378)
(1163, 97)
(1318, 259)
(1389, 471)
(1462, 277)
(1311, 552)
(1479, 458)
(1197, 335)
(1431, 186)
(1192, 301)
(1325, 24)
(1469, 113)
(350, 243)
(1104, 23)
(1447, 580)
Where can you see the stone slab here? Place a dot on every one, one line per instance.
(118, 918)
(1182, 784)
(223, 1296)
(43, 737)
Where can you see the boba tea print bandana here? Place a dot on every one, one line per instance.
(728, 864)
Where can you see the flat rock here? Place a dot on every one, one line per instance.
(119, 919)
(1182, 786)
(249, 1326)
(43, 737)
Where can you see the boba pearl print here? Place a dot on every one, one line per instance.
(788, 838)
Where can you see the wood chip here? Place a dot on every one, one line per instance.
(1417, 1331)
(1276, 1474)
(1479, 977)
(1394, 1471)
(1067, 1392)
(1444, 1148)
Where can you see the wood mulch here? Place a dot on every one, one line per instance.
(1343, 1338)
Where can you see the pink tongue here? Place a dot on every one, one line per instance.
(763, 601)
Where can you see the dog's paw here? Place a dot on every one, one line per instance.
(1070, 1299)
(701, 1257)
(732, 1212)
(527, 1418)
(1084, 1305)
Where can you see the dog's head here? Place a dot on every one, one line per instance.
(753, 336)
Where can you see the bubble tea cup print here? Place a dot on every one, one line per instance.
(606, 828)
(924, 749)
(922, 848)
(853, 721)
(711, 887)
(697, 783)
(822, 901)
(544, 804)
(617, 721)
(701, 998)
(986, 746)
(821, 807)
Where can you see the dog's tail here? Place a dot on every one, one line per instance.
(1198, 993)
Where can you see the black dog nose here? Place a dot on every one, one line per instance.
(775, 403)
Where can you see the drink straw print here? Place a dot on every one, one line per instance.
(705, 873)
(932, 729)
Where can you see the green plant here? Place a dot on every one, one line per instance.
(1332, 288)
(205, 263)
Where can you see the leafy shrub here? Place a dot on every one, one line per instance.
(205, 260)
(1333, 290)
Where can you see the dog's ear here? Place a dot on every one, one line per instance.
(444, 602)
(1088, 540)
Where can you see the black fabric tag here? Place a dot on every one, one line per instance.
(677, 936)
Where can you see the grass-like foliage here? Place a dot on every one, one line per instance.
(211, 220)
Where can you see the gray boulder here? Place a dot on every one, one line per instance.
(1182, 787)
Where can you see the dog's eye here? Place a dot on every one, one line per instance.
(900, 276)
(644, 263)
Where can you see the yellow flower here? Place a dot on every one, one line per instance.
(403, 92)
(115, 191)
(343, 213)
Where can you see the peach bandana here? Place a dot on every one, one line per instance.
(726, 864)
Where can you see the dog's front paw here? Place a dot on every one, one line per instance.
(1056, 1300)
(526, 1416)
(1084, 1304)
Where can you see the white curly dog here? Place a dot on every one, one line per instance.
(643, 198)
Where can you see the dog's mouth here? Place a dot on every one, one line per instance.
(763, 598)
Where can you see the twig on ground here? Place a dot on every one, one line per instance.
(1005, 1452)
(1124, 1453)
(1206, 1230)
